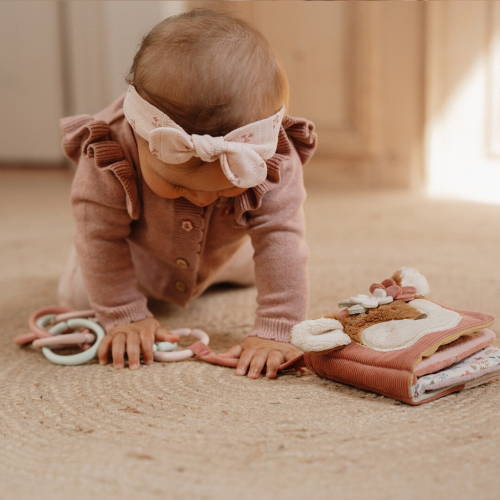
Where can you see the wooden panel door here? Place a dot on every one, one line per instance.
(356, 70)
(463, 116)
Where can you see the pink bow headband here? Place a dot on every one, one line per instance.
(242, 152)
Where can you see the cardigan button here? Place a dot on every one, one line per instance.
(181, 286)
(187, 225)
(182, 263)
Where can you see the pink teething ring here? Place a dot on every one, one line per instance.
(186, 353)
(65, 340)
(41, 332)
(87, 313)
(36, 331)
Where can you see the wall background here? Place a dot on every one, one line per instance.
(404, 94)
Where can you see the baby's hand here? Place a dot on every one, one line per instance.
(257, 352)
(133, 337)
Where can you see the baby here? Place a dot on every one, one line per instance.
(191, 178)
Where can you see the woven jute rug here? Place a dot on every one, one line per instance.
(193, 430)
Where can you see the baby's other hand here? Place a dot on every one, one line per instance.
(132, 338)
(255, 352)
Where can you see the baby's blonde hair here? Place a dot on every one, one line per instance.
(210, 72)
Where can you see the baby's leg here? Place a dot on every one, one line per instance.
(71, 290)
(239, 269)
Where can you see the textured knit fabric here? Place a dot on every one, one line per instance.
(130, 240)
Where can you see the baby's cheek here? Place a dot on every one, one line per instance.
(201, 199)
(162, 189)
(231, 192)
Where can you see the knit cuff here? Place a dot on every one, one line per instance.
(272, 329)
(109, 317)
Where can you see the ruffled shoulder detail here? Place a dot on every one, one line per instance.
(301, 132)
(84, 135)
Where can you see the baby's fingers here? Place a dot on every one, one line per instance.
(118, 350)
(163, 335)
(290, 355)
(245, 359)
(103, 351)
(274, 360)
(147, 341)
(257, 364)
(133, 350)
(233, 352)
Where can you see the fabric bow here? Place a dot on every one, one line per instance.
(242, 152)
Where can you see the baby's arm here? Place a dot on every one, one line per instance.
(102, 227)
(277, 230)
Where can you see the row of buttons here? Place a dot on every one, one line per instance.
(180, 285)
(187, 226)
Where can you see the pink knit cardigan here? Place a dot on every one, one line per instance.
(132, 243)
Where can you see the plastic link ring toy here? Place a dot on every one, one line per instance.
(63, 323)
(69, 339)
(160, 355)
(58, 328)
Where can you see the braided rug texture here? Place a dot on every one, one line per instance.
(194, 430)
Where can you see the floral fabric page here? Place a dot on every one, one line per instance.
(478, 364)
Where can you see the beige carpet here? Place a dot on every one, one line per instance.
(196, 431)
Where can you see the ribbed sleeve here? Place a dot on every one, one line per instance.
(102, 227)
(277, 229)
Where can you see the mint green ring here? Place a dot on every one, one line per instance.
(164, 346)
(81, 357)
(44, 320)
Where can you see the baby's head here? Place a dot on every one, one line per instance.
(211, 74)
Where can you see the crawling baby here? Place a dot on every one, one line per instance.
(191, 178)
